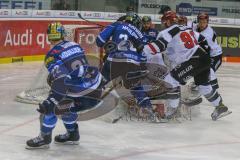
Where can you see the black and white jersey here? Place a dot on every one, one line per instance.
(211, 38)
(179, 42)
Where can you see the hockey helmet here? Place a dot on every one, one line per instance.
(55, 31)
(182, 20)
(203, 16)
(146, 19)
(134, 20)
(169, 15)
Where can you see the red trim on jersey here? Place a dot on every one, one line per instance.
(152, 48)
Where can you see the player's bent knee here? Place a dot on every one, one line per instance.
(46, 107)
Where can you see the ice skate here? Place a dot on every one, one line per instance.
(39, 142)
(220, 111)
(69, 138)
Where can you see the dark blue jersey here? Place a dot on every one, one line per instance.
(119, 31)
(67, 60)
(150, 35)
(66, 53)
(83, 81)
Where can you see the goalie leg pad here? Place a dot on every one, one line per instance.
(136, 74)
(173, 93)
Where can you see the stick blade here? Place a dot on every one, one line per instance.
(103, 107)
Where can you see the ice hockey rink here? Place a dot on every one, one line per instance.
(199, 139)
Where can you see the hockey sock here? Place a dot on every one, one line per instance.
(210, 94)
(48, 123)
(69, 121)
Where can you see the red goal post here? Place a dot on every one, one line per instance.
(85, 35)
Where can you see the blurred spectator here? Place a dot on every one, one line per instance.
(61, 5)
(129, 12)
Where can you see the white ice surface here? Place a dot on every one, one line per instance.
(199, 139)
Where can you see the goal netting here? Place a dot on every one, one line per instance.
(85, 35)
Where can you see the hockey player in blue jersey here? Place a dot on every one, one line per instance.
(149, 33)
(129, 29)
(117, 32)
(71, 80)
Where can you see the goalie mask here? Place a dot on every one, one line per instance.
(55, 31)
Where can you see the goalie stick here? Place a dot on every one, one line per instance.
(186, 101)
(97, 24)
(109, 100)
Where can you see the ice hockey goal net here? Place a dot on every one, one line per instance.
(85, 35)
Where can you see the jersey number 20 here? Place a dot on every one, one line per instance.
(188, 39)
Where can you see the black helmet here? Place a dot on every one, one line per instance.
(130, 11)
(134, 20)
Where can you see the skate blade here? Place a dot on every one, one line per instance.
(173, 120)
(159, 120)
(68, 143)
(40, 147)
(117, 119)
(222, 115)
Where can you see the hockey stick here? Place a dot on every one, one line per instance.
(81, 17)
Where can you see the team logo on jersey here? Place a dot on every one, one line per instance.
(71, 52)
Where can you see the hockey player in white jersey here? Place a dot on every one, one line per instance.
(172, 90)
(187, 59)
(215, 49)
